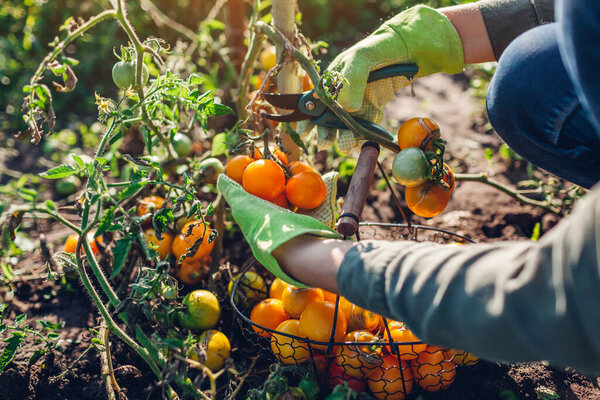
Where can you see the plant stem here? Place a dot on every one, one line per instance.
(254, 46)
(308, 65)
(483, 178)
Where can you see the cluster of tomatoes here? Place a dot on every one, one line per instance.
(267, 179)
(419, 166)
(388, 371)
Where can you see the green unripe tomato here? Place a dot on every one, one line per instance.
(210, 169)
(182, 144)
(66, 187)
(410, 167)
(123, 74)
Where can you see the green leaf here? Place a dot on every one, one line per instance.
(194, 79)
(219, 144)
(489, 154)
(295, 137)
(3, 308)
(120, 252)
(535, 235)
(50, 204)
(97, 341)
(36, 356)
(62, 171)
(8, 353)
(216, 110)
(20, 319)
(161, 220)
(106, 221)
(545, 393)
(131, 190)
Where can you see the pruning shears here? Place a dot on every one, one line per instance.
(307, 105)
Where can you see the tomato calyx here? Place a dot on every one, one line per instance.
(432, 135)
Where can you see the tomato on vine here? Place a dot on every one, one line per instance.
(411, 167)
(430, 198)
(184, 242)
(236, 166)
(307, 190)
(123, 74)
(418, 132)
(181, 144)
(264, 179)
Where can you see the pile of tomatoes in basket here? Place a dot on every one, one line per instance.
(295, 185)
(420, 167)
(367, 360)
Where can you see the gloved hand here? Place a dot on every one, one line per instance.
(267, 226)
(419, 35)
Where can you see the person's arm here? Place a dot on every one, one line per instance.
(468, 22)
(511, 301)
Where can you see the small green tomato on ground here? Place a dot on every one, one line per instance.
(123, 74)
(410, 167)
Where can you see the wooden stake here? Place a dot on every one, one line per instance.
(284, 19)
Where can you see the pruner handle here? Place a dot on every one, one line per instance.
(360, 184)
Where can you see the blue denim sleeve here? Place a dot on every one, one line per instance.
(509, 301)
(507, 19)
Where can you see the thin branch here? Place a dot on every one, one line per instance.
(484, 178)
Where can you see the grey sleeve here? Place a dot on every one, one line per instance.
(507, 19)
(509, 301)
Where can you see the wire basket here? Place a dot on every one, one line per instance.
(384, 362)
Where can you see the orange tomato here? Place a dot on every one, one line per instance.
(359, 318)
(316, 323)
(149, 205)
(286, 349)
(306, 190)
(268, 313)
(71, 243)
(461, 357)
(300, 166)
(390, 381)
(277, 152)
(162, 246)
(306, 82)
(295, 300)
(356, 360)
(192, 272)
(427, 200)
(418, 132)
(432, 370)
(277, 287)
(236, 166)
(401, 334)
(281, 200)
(331, 297)
(264, 179)
(183, 242)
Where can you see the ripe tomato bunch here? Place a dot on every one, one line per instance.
(294, 185)
(362, 363)
(188, 235)
(420, 167)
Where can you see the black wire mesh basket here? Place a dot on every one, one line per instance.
(368, 352)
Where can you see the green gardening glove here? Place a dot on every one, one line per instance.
(267, 226)
(419, 35)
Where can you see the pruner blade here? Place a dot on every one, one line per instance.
(287, 101)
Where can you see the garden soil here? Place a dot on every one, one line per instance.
(475, 210)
